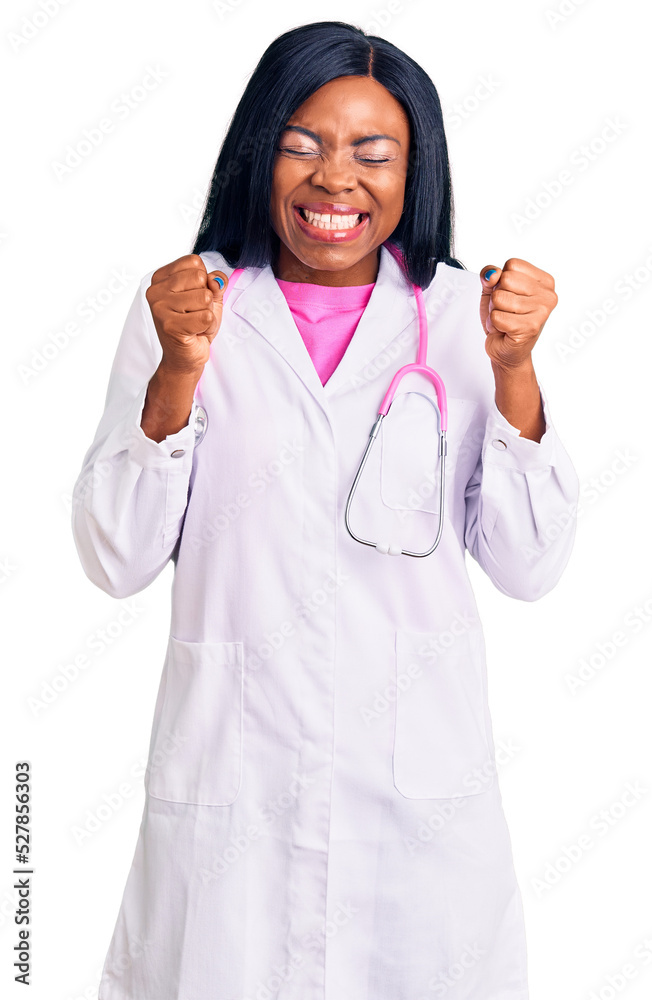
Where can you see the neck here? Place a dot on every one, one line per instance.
(287, 267)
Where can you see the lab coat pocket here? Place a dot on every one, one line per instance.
(410, 462)
(441, 748)
(195, 753)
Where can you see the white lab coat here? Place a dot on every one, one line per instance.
(322, 818)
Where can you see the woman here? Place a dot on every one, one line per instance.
(322, 819)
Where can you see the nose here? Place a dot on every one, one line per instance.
(335, 173)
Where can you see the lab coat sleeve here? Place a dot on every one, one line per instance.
(521, 507)
(130, 497)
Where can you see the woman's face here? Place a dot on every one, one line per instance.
(343, 153)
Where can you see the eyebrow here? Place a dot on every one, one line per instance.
(356, 142)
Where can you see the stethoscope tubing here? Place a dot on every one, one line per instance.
(420, 365)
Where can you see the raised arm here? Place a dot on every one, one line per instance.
(130, 497)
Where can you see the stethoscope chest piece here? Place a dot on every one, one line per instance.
(201, 423)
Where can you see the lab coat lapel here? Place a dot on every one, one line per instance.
(391, 308)
(262, 304)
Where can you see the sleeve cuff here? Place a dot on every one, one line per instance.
(173, 453)
(504, 446)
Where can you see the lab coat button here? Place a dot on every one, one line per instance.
(178, 453)
(499, 444)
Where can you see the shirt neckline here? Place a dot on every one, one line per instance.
(313, 294)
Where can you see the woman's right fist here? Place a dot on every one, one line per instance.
(186, 306)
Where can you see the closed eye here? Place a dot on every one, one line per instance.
(312, 152)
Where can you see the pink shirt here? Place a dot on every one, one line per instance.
(326, 317)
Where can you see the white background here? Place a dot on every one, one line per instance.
(552, 83)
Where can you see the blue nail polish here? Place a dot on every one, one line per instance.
(221, 280)
(492, 270)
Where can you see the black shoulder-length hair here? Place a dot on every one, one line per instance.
(236, 216)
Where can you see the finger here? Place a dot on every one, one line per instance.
(494, 272)
(510, 302)
(523, 267)
(189, 262)
(519, 283)
(217, 284)
(523, 284)
(490, 327)
(198, 322)
(187, 301)
(513, 323)
(178, 282)
(181, 282)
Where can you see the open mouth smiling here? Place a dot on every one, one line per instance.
(330, 226)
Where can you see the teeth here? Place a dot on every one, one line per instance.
(323, 221)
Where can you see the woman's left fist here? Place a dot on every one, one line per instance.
(515, 303)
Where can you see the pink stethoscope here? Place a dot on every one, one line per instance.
(420, 365)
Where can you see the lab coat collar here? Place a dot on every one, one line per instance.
(390, 310)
